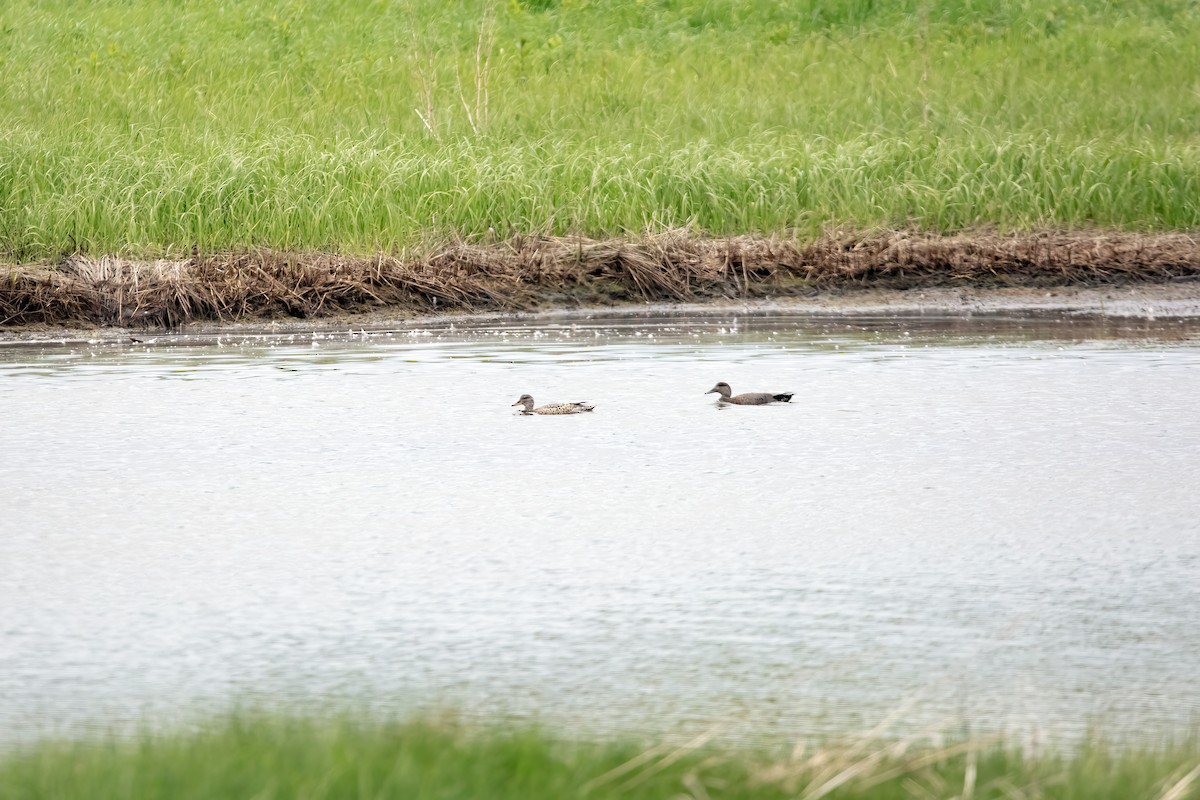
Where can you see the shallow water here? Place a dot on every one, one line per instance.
(993, 521)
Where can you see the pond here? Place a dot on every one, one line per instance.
(988, 523)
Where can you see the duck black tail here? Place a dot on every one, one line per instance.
(783, 398)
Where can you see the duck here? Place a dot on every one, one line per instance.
(551, 408)
(749, 398)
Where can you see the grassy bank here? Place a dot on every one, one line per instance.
(144, 127)
(272, 757)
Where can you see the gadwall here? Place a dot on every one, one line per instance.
(749, 398)
(551, 408)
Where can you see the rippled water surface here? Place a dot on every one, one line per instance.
(995, 519)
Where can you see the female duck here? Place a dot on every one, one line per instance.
(551, 408)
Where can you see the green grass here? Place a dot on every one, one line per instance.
(272, 757)
(148, 126)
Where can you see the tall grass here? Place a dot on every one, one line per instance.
(150, 126)
(296, 758)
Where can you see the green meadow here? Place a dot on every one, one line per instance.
(256, 757)
(147, 127)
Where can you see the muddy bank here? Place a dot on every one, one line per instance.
(534, 273)
(1160, 311)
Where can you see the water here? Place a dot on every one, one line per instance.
(992, 520)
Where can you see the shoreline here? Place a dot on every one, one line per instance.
(1140, 302)
(1106, 273)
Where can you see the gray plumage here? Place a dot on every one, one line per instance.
(749, 398)
(551, 408)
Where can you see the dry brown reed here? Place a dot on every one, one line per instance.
(527, 272)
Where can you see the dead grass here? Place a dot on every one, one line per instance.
(527, 272)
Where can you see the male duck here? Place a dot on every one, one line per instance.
(551, 408)
(749, 398)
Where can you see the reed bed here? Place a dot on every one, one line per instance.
(266, 757)
(527, 272)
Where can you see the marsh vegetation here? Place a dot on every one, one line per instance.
(249, 756)
(372, 126)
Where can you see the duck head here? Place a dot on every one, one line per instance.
(722, 389)
(525, 400)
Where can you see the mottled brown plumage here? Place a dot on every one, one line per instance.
(749, 398)
(551, 408)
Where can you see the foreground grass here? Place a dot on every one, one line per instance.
(145, 127)
(273, 757)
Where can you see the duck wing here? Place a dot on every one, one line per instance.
(752, 399)
(563, 408)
